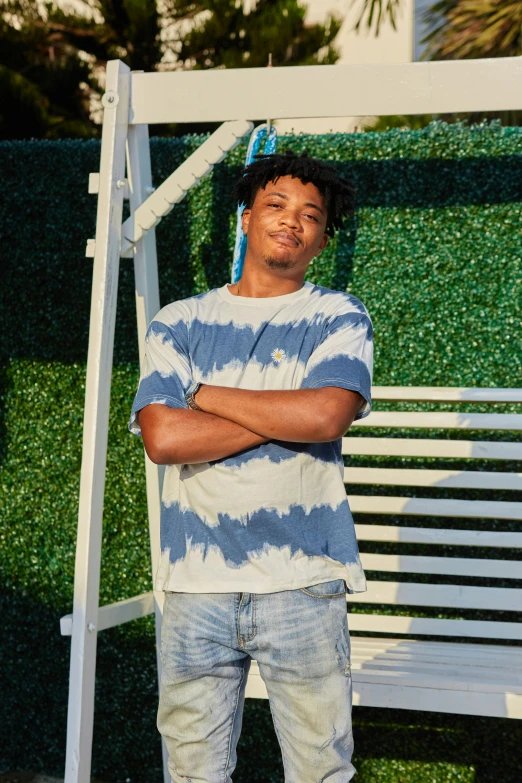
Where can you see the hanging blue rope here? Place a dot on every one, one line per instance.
(258, 134)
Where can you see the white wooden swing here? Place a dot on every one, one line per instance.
(460, 677)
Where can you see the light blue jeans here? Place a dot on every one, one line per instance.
(301, 643)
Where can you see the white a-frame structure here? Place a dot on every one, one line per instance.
(236, 97)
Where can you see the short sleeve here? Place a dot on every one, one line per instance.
(166, 373)
(344, 358)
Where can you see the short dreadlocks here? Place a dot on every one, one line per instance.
(338, 192)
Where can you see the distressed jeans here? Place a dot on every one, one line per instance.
(301, 642)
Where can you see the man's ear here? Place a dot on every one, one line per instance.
(245, 220)
(323, 243)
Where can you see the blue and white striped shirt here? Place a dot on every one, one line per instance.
(276, 516)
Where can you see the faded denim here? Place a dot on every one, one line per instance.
(301, 642)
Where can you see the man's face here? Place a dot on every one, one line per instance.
(286, 225)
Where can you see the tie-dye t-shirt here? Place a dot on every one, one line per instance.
(276, 516)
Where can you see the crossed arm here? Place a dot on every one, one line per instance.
(232, 420)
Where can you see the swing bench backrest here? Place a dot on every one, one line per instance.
(472, 538)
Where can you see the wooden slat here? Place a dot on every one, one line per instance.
(453, 596)
(478, 669)
(425, 535)
(493, 664)
(483, 509)
(458, 479)
(503, 656)
(115, 614)
(479, 629)
(460, 701)
(450, 566)
(477, 653)
(123, 611)
(491, 680)
(445, 394)
(442, 421)
(425, 447)
(338, 91)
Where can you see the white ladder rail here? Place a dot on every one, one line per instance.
(96, 425)
(147, 305)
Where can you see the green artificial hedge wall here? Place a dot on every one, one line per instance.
(434, 253)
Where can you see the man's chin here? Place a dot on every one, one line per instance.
(274, 262)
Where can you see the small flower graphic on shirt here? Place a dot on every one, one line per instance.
(278, 355)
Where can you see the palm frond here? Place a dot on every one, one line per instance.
(471, 29)
(374, 13)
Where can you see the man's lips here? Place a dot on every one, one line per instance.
(285, 239)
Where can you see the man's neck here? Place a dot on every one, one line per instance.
(263, 286)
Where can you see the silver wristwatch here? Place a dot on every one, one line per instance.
(189, 397)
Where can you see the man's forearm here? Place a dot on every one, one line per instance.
(175, 436)
(301, 415)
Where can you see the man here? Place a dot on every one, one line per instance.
(245, 394)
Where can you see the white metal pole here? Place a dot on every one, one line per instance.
(96, 424)
(147, 305)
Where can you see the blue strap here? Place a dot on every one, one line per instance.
(258, 134)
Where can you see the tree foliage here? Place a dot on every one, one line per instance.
(227, 34)
(375, 13)
(52, 59)
(472, 29)
(44, 83)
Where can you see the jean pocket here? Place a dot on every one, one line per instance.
(334, 589)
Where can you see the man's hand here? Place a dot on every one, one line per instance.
(177, 435)
(300, 415)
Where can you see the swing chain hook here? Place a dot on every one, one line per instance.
(269, 122)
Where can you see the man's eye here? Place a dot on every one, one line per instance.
(313, 217)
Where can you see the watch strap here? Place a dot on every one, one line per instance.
(189, 397)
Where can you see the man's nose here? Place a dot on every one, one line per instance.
(290, 218)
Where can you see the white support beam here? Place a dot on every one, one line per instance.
(149, 213)
(115, 614)
(485, 568)
(438, 536)
(445, 394)
(443, 421)
(327, 91)
(436, 507)
(480, 629)
(147, 305)
(94, 183)
(425, 447)
(500, 599)
(411, 477)
(96, 425)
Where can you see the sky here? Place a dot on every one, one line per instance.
(420, 29)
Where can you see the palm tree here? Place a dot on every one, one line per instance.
(459, 30)
(471, 29)
(373, 13)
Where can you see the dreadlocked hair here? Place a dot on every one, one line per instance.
(337, 192)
